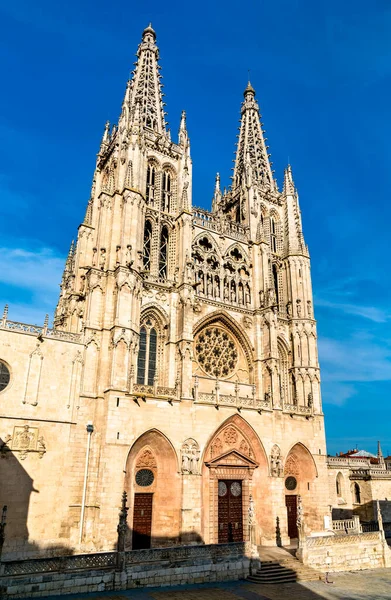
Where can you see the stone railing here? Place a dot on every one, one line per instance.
(333, 540)
(347, 526)
(237, 402)
(297, 409)
(55, 334)
(242, 395)
(182, 553)
(60, 564)
(343, 461)
(109, 560)
(153, 390)
(211, 221)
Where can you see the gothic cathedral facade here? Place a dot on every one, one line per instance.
(182, 366)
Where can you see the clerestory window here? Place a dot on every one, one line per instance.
(150, 191)
(163, 253)
(273, 235)
(147, 245)
(166, 191)
(146, 365)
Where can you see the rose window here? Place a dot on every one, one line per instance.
(216, 352)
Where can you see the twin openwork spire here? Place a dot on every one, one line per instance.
(252, 163)
(145, 89)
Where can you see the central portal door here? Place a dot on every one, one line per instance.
(230, 511)
(142, 521)
(291, 507)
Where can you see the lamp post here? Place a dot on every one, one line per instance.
(90, 429)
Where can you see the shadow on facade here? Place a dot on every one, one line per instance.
(16, 489)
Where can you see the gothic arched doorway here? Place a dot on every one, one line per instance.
(299, 475)
(154, 492)
(234, 468)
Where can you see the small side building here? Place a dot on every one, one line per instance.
(357, 480)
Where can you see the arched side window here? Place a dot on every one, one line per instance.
(357, 493)
(283, 373)
(163, 253)
(275, 282)
(273, 235)
(166, 191)
(146, 365)
(142, 354)
(147, 245)
(150, 191)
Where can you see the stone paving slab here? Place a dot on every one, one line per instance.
(358, 585)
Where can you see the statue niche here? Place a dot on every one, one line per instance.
(276, 468)
(190, 456)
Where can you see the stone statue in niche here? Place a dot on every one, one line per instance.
(289, 309)
(210, 285)
(190, 457)
(117, 255)
(298, 308)
(248, 295)
(271, 297)
(276, 468)
(94, 257)
(102, 259)
(309, 308)
(82, 285)
(128, 256)
(226, 290)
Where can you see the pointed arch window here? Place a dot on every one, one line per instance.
(163, 253)
(357, 494)
(146, 364)
(147, 245)
(166, 191)
(273, 235)
(283, 373)
(150, 191)
(275, 282)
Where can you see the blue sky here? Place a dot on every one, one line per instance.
(322, 72)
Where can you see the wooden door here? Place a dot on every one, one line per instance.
(230, 511)
(291, 507)
(142, 521)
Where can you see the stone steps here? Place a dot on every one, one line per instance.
(288, 570)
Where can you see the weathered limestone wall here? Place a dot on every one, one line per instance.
(347, 552)
(38, 409)
(81, 573)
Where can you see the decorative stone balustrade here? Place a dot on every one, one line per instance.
(36, 330)
(298, 409)
(60, 564)
(236, 399)
(182, 553)
(343, 461)
(152, 390)
(345, 526)
(211, 221)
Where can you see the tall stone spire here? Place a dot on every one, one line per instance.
(252, 160)
(145, 88)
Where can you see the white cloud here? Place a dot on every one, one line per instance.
(358, 358)
(337, 393)
(36, 275)
(367, 312)
(39, 270)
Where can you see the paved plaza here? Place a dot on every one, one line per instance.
(359, 585)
